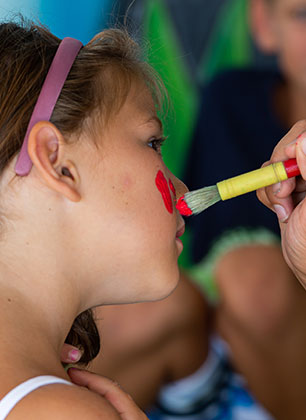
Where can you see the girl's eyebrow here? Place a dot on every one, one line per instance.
(155, 119)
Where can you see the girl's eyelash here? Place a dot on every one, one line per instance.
(157, 144)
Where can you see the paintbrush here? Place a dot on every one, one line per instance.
(194, 202)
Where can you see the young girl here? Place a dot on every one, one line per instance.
(87, 212)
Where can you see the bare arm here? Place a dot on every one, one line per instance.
(62, 402)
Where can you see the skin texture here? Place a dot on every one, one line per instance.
(288, 201)
(262, 311)
(92, 222)
(132, 198)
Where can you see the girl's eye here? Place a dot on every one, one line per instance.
(156, 144)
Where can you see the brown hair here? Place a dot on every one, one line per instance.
(100, 79)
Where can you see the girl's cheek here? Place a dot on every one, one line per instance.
(127, 182)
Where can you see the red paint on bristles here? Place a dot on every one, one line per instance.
(182, 207)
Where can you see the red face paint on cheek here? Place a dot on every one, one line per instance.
(162, 186)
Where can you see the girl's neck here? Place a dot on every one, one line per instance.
(36, 321)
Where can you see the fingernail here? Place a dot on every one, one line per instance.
(276, 188)
(281, 212)
(74, 355)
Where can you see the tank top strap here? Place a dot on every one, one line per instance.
(9, 401)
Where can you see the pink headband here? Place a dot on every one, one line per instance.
(60, 67)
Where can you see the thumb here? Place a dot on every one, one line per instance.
(70, 354)
(110, 390)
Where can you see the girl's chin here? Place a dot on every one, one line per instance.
(166, 291)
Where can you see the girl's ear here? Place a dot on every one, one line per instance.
(45, 148)
(262, 25)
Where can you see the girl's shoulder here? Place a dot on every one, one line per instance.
(62, 402)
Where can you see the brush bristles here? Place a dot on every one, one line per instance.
(200, 200)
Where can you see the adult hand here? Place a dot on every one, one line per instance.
(121, 401)
(287, 200)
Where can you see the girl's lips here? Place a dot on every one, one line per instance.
(180, 232)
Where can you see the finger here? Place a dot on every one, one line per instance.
(283, 209)
(284, 189)
(301, 155)
(300, 184)
(279, 196)
(110, 390)
(262, 196)
(282, 150)
(268, 162)
(290, 149)
(277, 193)
(282, 206)
(261, 192)
(70, 354)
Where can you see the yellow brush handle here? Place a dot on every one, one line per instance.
(251, 181)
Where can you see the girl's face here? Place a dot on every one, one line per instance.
(131, 237)
(288, 23)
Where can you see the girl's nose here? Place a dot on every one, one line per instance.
(180, 187)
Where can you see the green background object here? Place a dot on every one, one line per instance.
(230, 41)
(167, 58)
(229, 45)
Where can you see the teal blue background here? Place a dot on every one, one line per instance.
(76, 18)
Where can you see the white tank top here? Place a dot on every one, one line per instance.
(16, 394)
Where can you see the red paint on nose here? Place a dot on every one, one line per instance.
(172, 187)
(182, 207)
(163, 188)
